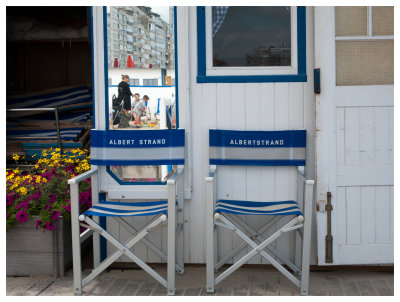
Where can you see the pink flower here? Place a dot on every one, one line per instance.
(9, 199)
(37, 195)
(52, 198)
(67, 208)
(38, 223)
(55, 215)
(22, 216)
(49, 226)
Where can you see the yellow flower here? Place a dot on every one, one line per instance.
(16, 171)
(22, 190)
(38, 179)
(44, 180)
(15, 156)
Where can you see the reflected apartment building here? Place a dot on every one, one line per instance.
(141, 33)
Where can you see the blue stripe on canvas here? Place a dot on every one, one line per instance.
(258, 139)
(252, 162)
(136, 162)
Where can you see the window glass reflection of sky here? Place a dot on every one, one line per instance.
(253, 36)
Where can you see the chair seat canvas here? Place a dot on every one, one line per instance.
(109, 208)
(247, 207)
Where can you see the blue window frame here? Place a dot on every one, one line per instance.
(205, 75)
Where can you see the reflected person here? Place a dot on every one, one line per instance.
(124, 96)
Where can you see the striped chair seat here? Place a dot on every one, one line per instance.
(239, 207)
(109, 208)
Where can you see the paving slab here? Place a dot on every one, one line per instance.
(246, 281)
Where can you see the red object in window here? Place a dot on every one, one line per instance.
(129, 63)
(150, 65)
(115, 62)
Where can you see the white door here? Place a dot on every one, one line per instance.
(354, 137)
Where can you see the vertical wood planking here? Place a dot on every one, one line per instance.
(391, 214)
(197, 203)
(381, 136)
(267, 111)
(253, 188)
(353, 215)
(390, 133)
(209, 120)
(340, 160)
(341, 212)
(352, 136)
(368, 223)
(383, 215)
(296, 121)
(224, 174)
(366, 136)
(282, 175)
(238, 122)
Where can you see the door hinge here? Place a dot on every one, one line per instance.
(328, 238)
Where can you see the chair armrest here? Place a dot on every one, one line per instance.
(176, 176)
(300, 171)
(83, 176)
(212, 173)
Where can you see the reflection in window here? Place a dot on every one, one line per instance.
(141, 45)
(137, 174)
(251, 36)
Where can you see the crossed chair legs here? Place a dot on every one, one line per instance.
(258, 244)
(124, 249)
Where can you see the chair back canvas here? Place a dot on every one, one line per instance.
(137, 148)
(257, 148)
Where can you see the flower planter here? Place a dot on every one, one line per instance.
(35, 252)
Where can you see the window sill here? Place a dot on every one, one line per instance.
(252, 78)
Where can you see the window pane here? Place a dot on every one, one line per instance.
(351, 20)
(251, 36)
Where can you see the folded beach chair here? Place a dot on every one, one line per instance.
(267, 149)
(163, 200)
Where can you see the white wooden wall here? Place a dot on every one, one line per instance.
(244, 106)
(364, 152)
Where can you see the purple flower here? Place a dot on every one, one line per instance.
(22, 205)
(38, 223)
(49, 226)
(9, 199)
(54, 215)
(37, 195)
(67, 208)
(52, 198)
(22, 216)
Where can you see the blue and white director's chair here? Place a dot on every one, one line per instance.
(132, 147)
(258, 148)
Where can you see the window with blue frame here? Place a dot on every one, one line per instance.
(251, 44)
(139, 55)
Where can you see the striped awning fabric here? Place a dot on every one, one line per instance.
(51, 98)
(239, 207)
(66, 133)
(109, 208)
